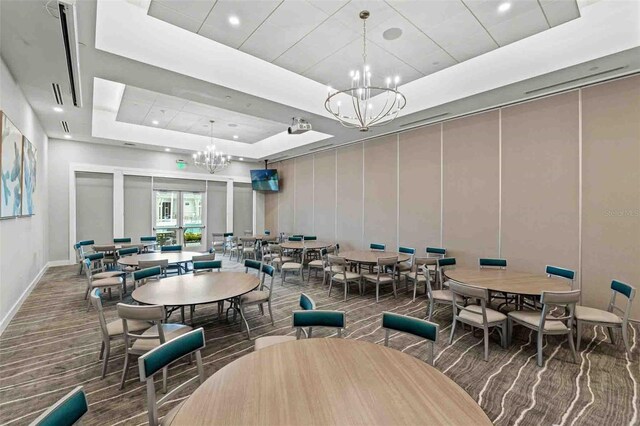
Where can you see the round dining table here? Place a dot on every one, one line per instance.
(371, 256)
(310, 245)
(173, 257)
(328, 382)
(507, 281)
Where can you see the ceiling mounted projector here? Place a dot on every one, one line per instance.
(299, 126)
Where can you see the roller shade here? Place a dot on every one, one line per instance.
(168, 184)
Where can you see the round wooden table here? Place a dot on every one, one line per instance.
(173, 257)
(327, 382)
(507, 281)
(190, 289)
(263, 237)
(299, 245)
(371, 256)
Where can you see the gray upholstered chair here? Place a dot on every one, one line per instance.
(149, 242)
(337, 267)
(276, 256)
(407, 265)
(159, 359)
(442, 297)
(106, 283)
(218, 242)
(377, 246)
(307, 304)
(292, 267)
(66, 412)
(479, 316)
(159, 333)
(248, 248)
(545, 322)
(416, 326)
(260, 296)
(562, 273)
(442, 264)
(318, 265)
(381, 276)
(111, 330)
(234, 247)
(609, 318)
(109, 253)
(417, 274)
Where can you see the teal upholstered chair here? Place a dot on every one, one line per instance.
(66, 412)
(267, 232)
(318, 318)
(254, 265)
(293, 267)
(141, 276)
(124, 252)
(377, 246)
(442, 264)
(441, 296)
(306, 303)
(159, 359)
(149, 242)
(558, 272)
(174, 247)
(98, 271)
(337, 268)
(545, 323)
(295, 238)
(318, 265)
(417, 274)
(416, 326)
(121, 240)
(309, 238)
(609, 318)
(260, 296)
(487, 262)
(109, 282)
(201, 266)
(406, 265)
(81, 249)
(438, 252)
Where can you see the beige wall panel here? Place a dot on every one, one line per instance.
(419, 225)
(271, 212)
(380, 192)
(350, 197)
(324, 193)
(611, 190)
(286, 198)
(303, 213)
(471, 187)
(540, 183)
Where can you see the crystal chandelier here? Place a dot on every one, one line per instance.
(210, 159)
(365, 105)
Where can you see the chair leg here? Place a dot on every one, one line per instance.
(330, 286)
(503, 334)
(415, 288)
(124, 370)
(578, 334)
(540, 354)
(610, 334)
(377, 291)
(105, 359)
(572, 346)
(486, 343)
(431, 309)
(346, 287)
(101, 350)
(509, 331)
(165, 373)
(244, 319)
(395, 290)
(625, 339)
(453, 331)
(271, 312)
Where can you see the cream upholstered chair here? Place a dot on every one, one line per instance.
(381, 277)
(442, 297)
(248, 248)
(109, 253)
(260, 296)
(162, 263)
(98, 267)
(138, 344)
(416, 326)
(111, 330)
(81, 250)
(441, 267)
(496, 263)
(546, 323)
(609, 318)
(338, 269)
(159, 359)
(417, 274)
(277, 256)
(106, 283)
(292, 267)
(306, 303)
(234, 248)
(122, 240)
(66, 412)
(218, 242)
(318, 265)
(558, 272)
(479, 316)
(408, 264)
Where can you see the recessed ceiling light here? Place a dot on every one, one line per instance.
(392, 34)
(235, 136)
(234, 20)
(504, 7)
(67, 136)
(241, 159)
(155, 122)
(167, 149)
(57, 109)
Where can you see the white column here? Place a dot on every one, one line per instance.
(118, 203)
(254, 225)
(230, 206)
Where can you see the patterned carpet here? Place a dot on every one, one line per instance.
(52, 345)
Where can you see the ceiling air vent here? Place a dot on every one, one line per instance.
(57, 94)
(318, 148)
(575, 80)
(65, 126)
(282, 157)
(69, 26)
(425, 119)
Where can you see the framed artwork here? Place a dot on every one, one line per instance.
(10, 169)
(29, 163)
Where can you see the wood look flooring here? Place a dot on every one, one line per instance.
(52, 345)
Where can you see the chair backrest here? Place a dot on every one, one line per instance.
(467, 291)
(94, 256)
(295, 238)
(267, 232)
(127, 251)
(318, 318)
(443, 264)
(151, 313)
(149, 238)
(626, 290)
(227, 234)
(408, 250)
(384, 262)
(309, 238)
(419, 263)
(203, 257)
(66, 412)
(487, 262)
(76, 248)
(436, 252)
(96, 301)
(562, 299)
(174, 247)
(340, 262)
(141, 276)
(200, 266)
(92, 267)
(122, 240)
(162, 263)
(307, 303)
(377, 246)
(106, 248)
(161, 357)
(267, 270)
(556, 271)
(252, 264)
(84, 243)
(416, 326)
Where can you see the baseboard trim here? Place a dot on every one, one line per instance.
(63, 262)
(16, 306)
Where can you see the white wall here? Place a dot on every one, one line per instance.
(23, 241)
(63, 153)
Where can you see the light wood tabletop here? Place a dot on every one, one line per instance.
(263, 237)
(507, 281)
(299, 245)
(190, 289)
(371, 256)
(172, 257)
(329, 382)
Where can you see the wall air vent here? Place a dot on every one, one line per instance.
(69, 26)
(425, 119)
(318, 148)
(57, 94)
(575, 80)
(65, 126)
(282, 157)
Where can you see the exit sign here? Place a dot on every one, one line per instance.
(181, 164)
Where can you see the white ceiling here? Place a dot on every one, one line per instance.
(322, 39)
(145, 107)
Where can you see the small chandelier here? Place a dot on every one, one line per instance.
(367, 105)
(210, 159)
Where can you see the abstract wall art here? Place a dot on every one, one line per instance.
(10, 169)
(29, 162)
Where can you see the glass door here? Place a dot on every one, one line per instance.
(178, 219)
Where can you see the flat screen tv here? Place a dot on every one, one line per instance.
(264, 180)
